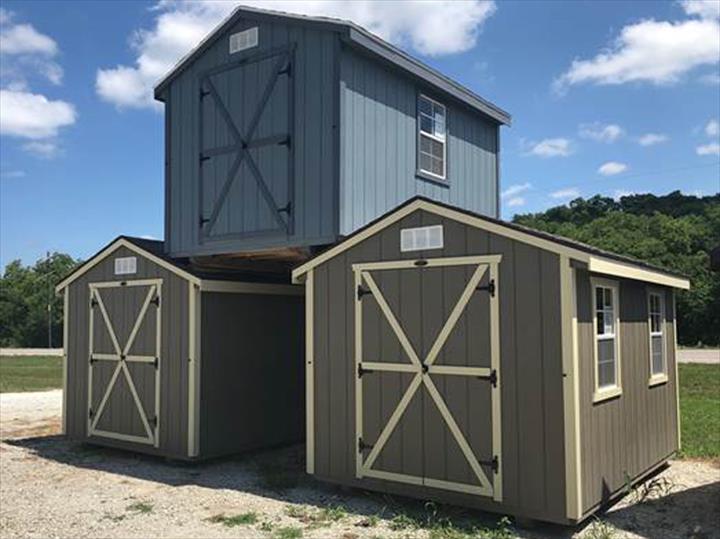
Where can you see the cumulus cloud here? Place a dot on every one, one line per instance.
(601, 132)
(515, 190)
(25, 51)
(651, 139)
(611, 168)
(33, 116)
(516, 201)
(433, 28)
(24, 39)
(46, 149)
(567, 193)
(712, 129)
(551, 147)
(708, 149)
(658, 52)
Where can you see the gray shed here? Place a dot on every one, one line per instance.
(462, 359)
(166, 359)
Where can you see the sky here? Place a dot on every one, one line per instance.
(607, 98)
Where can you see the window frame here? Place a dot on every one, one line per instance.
(611, 391)
(661, 377)
(419, 171)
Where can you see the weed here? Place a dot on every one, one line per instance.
(401, 521)
(289, 532)
(140, 507)
(657, 487)
(243, 519)
(600, 529)
(332, 513)
(266, 526)
(368, 522)
(316, 518)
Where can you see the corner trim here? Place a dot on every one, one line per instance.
(310, 373)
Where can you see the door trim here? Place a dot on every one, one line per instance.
(121, 358)
(363, 468)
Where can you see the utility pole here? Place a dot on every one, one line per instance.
(50, 298)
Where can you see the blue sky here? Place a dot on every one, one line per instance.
(606, 97)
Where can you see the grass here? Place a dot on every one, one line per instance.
(289, 532)
(700, 410)
(140, 507)
(243, 519)
(30, 373)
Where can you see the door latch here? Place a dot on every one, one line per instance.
(490, 287)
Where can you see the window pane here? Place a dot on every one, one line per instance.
(599, 298)
(599, 324)
(426, 124)
(425, 106)
(606, 374)
(425, 144)
(436, 149)
(425, 162)
(608, 298)
(609, 322)
(606, 351)
(657, 355)
(437, 167)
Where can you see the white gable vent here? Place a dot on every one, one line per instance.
(419, 239)
(125, 265)
(244, 40)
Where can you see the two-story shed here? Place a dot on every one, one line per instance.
(287, 132)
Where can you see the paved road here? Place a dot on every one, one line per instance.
(693, 355)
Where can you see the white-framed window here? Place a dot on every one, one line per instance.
(656, 326)
(432, 143)
(606, 330)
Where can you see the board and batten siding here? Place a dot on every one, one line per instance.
(314, 194)
(174, 350)
(378, 146)
(530, 373)
(624, 437)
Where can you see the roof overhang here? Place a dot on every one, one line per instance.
(595, 263)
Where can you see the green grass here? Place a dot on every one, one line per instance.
(289, 532)
(244, 519)
(31, 373)
(700, 410)
(140, 507)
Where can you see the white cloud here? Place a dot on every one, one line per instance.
(651, 139)
(705, 9)
(24, 39)
(658, 52)
(619, 193)
(515, 202)
(551, 147)
(433, 28)
(570, 192)
(601, 132)
(514, 190)
(712, 129)
(33, 116)
(711, 79)
(708, 149)
(47, 149)
(611, 168)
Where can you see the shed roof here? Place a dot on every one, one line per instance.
(355, 35)
(598, 260)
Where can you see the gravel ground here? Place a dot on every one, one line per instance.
(53, 488)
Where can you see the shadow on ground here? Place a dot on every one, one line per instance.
(280, 474)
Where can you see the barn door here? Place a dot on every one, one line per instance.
(124, 360)
(246, 147)
(427, 380)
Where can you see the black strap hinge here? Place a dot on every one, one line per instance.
(362, 446)
(91, 413)
(202, 221)
(156, 301)
(286, 209)
(286, 70)
(494, 463)
(421, 262)
(361, 371)
(93, 302)
(156, 362)
(492, 377)
(154, 422)
(361, 291)
(285, 141)
(490, 287)
(204, 157)
(203, 93)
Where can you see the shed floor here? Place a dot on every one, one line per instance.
(51, 487)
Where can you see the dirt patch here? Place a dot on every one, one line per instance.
(54, 488)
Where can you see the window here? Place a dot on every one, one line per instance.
(431, 137)
(607, 337)
(656, 323)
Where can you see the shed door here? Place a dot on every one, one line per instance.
(427, 381)
(124, 360)
(246, 147)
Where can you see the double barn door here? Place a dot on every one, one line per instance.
(427, 373)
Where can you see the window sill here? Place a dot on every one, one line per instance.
(601, 395)
(443, 182)
(657, 379)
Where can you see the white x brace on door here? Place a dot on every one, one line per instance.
(422, 370)
(122, 357)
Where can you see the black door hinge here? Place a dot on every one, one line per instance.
(153, 421)
(91, 413)
(93, 302)
(361, 371)
(286, 209)
(494, 463)
(421, 262)
(91, 360)
(492, 377)
(490, 287)
(361, 291)
(204, 157)
(286, 70)
(156, 362)
(202, 221)
(285, 141)
(156, 301)
(203, 93)
(362, 446)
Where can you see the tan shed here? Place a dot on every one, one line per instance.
(458, 358)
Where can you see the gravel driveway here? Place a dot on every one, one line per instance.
(53, 488)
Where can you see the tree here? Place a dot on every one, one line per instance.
(25, 294)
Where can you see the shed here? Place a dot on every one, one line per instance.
(163, 358)
(459, 358)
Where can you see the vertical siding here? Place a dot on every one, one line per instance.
(314, 192)
(174, 349)
(625, 436)
(531, 370)
(379, 144)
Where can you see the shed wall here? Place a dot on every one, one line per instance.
(174, 372)
(252, 371)
(531, 367)
(314, 162)
(378, 155)
(628, 435)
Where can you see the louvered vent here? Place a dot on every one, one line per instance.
(419, 239)
(244, 40)
(125, 265)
